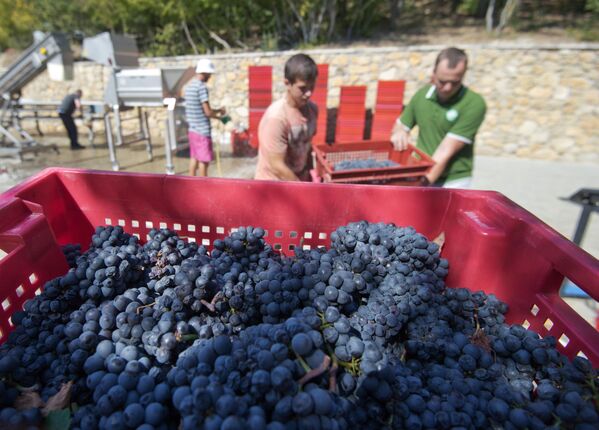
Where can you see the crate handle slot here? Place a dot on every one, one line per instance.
(31, 248)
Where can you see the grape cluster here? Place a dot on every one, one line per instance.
(366, 163)
(167, 335)
(71, 252)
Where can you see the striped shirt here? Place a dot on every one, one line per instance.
(196, 93)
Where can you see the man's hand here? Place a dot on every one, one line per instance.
(424, 182)
(400, 138)
(222, 111)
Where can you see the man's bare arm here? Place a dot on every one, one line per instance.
(212, 113)
(280, 169)
(445, 151)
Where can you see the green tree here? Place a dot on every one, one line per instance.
(17, 21)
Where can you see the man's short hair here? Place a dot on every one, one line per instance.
(300, 66)
(454, 56)
(79, 92)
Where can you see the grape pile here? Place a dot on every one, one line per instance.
(366, 163)
(365, 334)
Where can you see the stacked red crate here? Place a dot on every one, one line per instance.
(351, 115)
(319, 97)
(260, 97)
(389, 105)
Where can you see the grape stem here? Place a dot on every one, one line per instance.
(326, 362)
(210, 305)
(144, 306)
(333, 375)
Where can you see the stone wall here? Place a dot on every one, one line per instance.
(542, 100)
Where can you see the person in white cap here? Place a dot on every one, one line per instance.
(198, 113)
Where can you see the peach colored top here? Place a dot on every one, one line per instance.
(286, 130)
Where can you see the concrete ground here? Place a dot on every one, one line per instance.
(536, 185)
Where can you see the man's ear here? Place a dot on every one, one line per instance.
(287, 83)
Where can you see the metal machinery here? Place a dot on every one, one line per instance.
(130, 87)
(49, 51)
(37, 111)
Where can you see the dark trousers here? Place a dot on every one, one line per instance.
(69, 124)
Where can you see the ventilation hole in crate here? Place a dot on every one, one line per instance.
(191, 239)
(163, 224)
(308, 235)
(177, 227)
(234, 229)
(2, 254)
(293, 234)
(278, 247)
(534, 310)
(564, 340)
(322, 236)
(206, 242)
(6, 304)
(20, 290)
(322, 247)
(191, 227)
(265, 233)
(135, 223)
(581, 354)
(107, 221)
(580, 302)
(220, 230)
(205, 229)
(32, 278)
(548, 324)
(306, 247)
(526, 324)
(38, 292)
(291, 247)
(137, 235)
(149, 224)
(278, 233)
(122, 222)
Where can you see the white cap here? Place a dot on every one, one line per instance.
(205, 66)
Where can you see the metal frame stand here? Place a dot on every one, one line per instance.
(24, 143)
(170, 141)
(589, 200)
(143, 133)
(110, 142)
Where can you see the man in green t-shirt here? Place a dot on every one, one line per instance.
(448, 115)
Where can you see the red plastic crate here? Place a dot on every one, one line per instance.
(491, 243)
(351, 115)
(389, 106)
(260, 97)
(319, 97)
(240, 141)
(413, 162)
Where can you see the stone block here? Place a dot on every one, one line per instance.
(562, 144)
(527, 128)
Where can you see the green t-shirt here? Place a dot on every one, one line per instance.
(459, 118)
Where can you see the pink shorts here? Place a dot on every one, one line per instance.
(200, 147)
